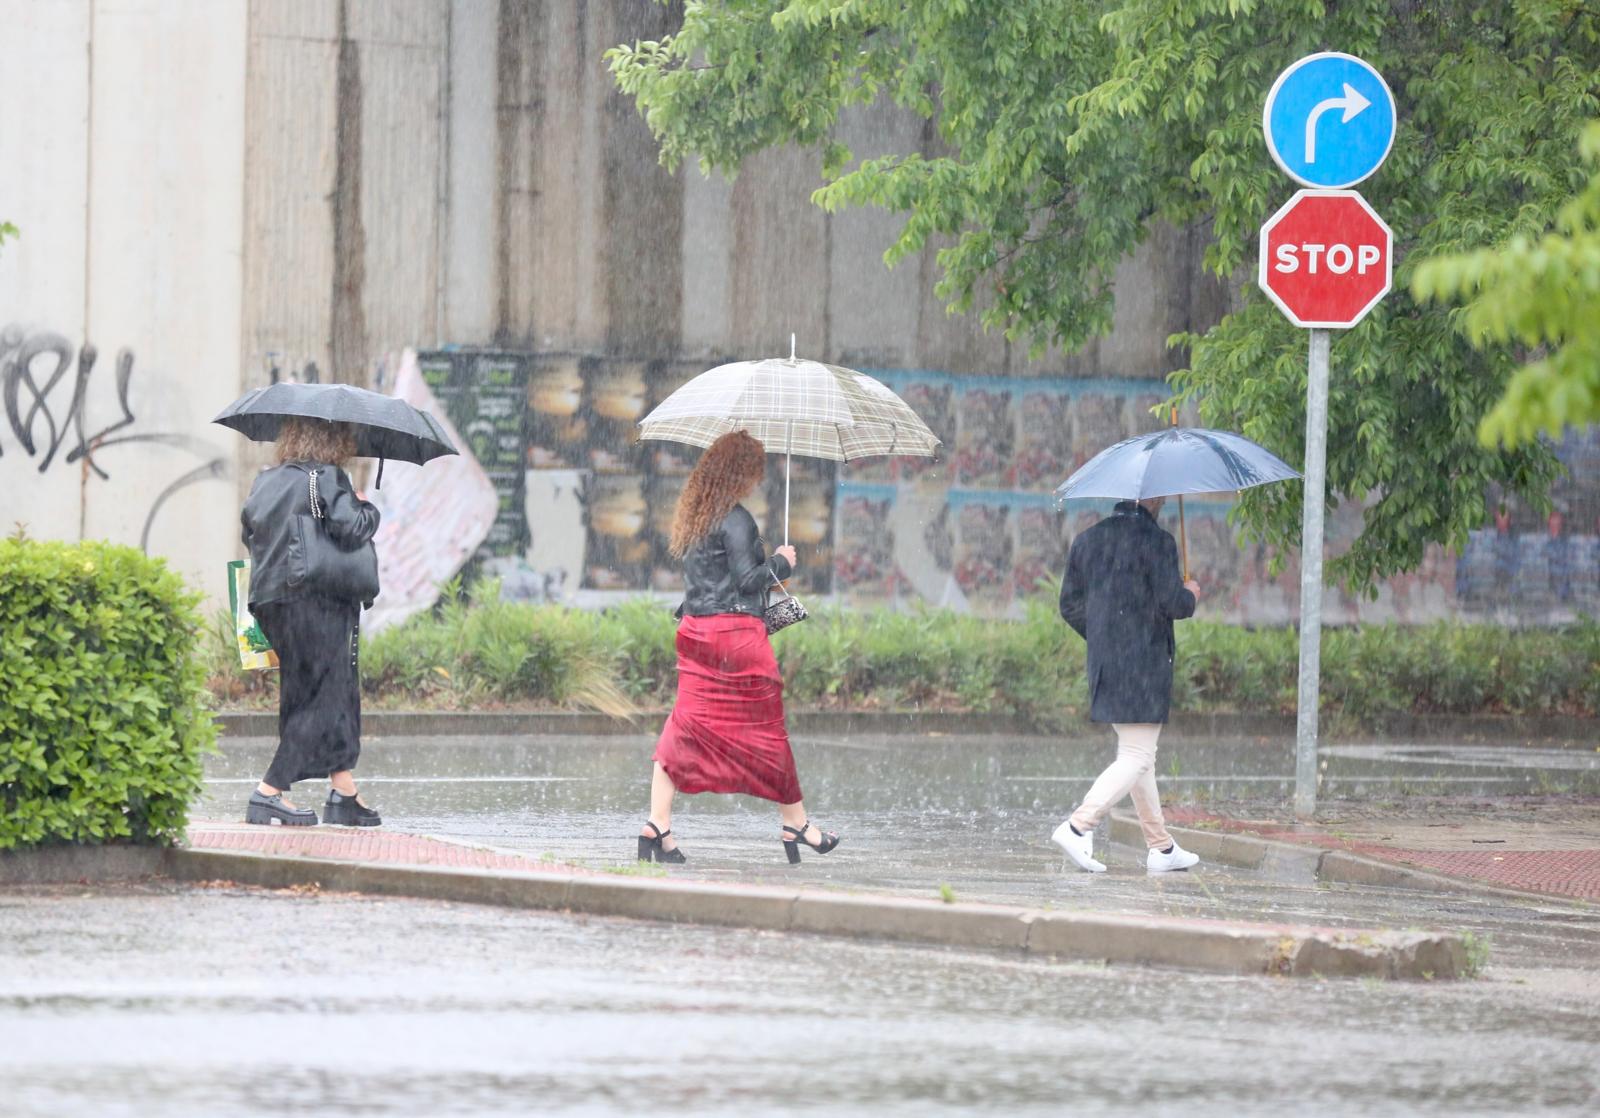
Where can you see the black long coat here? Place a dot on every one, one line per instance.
(1122, 592)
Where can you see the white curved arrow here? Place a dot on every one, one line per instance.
(1352, 103)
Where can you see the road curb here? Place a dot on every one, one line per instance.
(1308, 864)
(1225, 947)
(1207, 945)
(58, 865)
(1284, 860)
(1458, 729)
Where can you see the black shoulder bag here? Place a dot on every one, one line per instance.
(323, 565)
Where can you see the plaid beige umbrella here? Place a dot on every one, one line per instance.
(793, 406)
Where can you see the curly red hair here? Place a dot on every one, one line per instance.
(729, 469)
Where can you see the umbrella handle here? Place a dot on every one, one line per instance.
(1183, 532)
(1183, 539)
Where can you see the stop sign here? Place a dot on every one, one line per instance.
(1326, 258)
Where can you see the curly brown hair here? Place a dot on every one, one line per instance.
(729, 469)
(315, 440)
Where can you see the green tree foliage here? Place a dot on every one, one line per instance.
(1543, 295)
(1062, 130)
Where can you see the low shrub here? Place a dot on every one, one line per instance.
(103, 718)
(934, 659)
(476, 650)
(474, 647)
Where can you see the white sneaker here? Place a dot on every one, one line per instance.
(1080, 848)
(1177, 859)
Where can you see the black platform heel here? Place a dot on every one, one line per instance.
(791, 846)
(347, 811)
(262, 810)
(651, 850)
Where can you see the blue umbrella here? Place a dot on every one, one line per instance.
(1171, 463)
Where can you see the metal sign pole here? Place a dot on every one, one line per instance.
(1305, 752)
(1344, 101)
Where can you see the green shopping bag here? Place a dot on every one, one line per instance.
(255, 651)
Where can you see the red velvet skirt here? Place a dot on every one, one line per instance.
(726, 731)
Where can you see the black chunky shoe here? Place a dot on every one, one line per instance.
(797, 835)
(651, 850)
(347, 811)
(264, 809)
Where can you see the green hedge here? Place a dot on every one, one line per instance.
(468, 654)
(103, 715)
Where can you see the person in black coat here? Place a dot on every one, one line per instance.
(315, 632)
(1121, 593)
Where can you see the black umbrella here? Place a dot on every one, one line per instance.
(384, 426)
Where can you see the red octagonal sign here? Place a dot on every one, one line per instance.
(1326, 258)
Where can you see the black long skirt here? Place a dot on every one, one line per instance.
(319, 686)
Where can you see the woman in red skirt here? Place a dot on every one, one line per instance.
(726, 731)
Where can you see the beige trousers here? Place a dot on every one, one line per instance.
(1132, 773)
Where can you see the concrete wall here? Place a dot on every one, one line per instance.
(602, 251)
(346, 179)
(229, 189)
(122, 134)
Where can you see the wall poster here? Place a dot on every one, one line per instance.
(586, 509)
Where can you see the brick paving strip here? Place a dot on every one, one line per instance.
(363, 844)
(1570, 872)
(401, 865)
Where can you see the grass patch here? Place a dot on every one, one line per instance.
(1478, 948)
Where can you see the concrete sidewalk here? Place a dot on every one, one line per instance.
(1548, 846)
(421, 866)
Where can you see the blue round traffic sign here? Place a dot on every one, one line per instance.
(1329, 120)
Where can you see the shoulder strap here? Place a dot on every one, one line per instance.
(316, 506)
(779, 583)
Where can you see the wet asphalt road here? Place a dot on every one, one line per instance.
(157, 1000)
(144, 1001)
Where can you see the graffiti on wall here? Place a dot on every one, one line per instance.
(46, 385)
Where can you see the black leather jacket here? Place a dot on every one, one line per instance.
(276, 497)
(729, 571)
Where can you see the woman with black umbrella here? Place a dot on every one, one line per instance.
(312, 624)
(313, 566)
